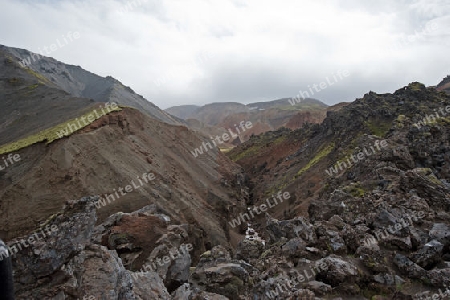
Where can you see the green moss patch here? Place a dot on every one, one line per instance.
(355, 190)
(38, 76)
(250, 151)
(428, 173)
(324, 152)
(48, 135)
(378, 128)
(416, 86)
(32, 87)
(225, 150)
(254, 148)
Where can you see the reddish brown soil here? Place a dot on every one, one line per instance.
(109, 154)
(141, 231)
(283, 172)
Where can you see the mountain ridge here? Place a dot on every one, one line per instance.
(216, 118)
(192, 110)
(81, 83)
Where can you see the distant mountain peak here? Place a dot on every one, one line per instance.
(444, 85)
(79, 82)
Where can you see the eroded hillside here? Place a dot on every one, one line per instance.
(111, 153)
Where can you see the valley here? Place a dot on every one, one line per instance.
(351, 201)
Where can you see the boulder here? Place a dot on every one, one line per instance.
(429, 255)
(408, 267)
(148, 285)
(217, 273)
(249, 249)
(337, 271)
(439, 277)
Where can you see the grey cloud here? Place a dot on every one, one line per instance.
(236, 50)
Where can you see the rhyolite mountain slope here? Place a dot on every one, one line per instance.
(30, 103)
(217, 118)
(274, 114)
(190, 198)
(182, 111)
(111, 153)
(76, 81)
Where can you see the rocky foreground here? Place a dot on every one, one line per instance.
(399, 243)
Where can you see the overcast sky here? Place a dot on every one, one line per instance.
(176, 52)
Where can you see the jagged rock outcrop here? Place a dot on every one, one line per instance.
(249, 249)
(148, 285)
(217, 273)
(381, 222)
(66, 265)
